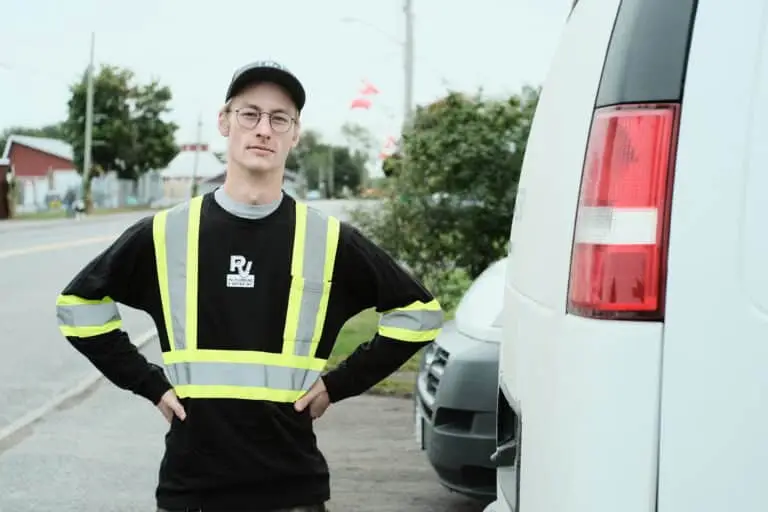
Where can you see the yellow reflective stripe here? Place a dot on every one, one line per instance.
(193, 238)
(85, 318)
(418, 305)
(299, 238)
(242, 393)
(244, 356)
(74, 300)
(416, 322)
(161, 259)
(90, 330)
(297, 282)
(400, 334)
(331, 244)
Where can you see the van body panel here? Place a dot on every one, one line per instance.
(545, 210)
(714, 404)
(586, 446)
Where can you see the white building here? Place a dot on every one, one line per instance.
(194, 162)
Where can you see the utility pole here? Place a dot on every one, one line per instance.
(197, 153)
(408, 61)
(88, 131)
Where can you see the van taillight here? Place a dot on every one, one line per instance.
(618, 266)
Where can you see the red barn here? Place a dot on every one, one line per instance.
(34, 161)
(36, 157)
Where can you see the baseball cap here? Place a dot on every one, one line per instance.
(268, 71)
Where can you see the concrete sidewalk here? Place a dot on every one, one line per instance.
(102, 454)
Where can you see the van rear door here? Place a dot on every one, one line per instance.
(581, 358)
(714, 401)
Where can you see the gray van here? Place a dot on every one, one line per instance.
(456, 389)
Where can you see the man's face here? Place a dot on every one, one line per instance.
(256, 144)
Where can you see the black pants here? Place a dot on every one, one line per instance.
(306, 508)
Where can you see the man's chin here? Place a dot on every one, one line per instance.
(260, 165)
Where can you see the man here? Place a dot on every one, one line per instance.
(248, 289)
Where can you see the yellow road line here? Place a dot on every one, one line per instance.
(56, 246)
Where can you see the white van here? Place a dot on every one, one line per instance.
(634, 364)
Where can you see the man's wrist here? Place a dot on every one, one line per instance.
(155, 386)
(333, 386)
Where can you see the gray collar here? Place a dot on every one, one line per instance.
(246, 211)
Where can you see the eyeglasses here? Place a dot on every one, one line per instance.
(249, 118)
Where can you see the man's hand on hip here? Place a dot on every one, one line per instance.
(316, 398)
(169, 405)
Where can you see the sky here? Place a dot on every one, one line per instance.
(332, 46)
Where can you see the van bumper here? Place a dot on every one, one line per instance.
(455, 420)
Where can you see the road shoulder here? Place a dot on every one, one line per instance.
(103, 452)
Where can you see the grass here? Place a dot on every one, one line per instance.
(360, 329)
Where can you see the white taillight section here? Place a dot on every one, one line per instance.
(618, 266)
(616, 226)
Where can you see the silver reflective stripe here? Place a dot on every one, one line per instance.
(413, 320)
(241, 375)
(314, 266)
(176, 230)
(87, 315)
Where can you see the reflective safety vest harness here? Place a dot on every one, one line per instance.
(211, 373)
(253, 375)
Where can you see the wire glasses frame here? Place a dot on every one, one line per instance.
(250, 118)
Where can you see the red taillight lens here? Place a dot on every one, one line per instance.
(619, 256)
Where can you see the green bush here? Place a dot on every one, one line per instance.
(448, 206)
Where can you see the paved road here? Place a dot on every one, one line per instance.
(35, 264)
(103, 453)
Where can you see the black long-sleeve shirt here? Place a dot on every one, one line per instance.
(234, 454)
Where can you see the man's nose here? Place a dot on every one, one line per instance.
(263, 127)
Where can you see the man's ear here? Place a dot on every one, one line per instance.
(223, 123)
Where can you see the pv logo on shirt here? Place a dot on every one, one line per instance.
(240, 273)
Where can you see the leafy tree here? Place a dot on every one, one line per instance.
(362, 147)
(129, 134)
(112, 134)
(392, 164)
(314, 157)
(153, 138)
(347, 170)
(308, 142)
(452, 189)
